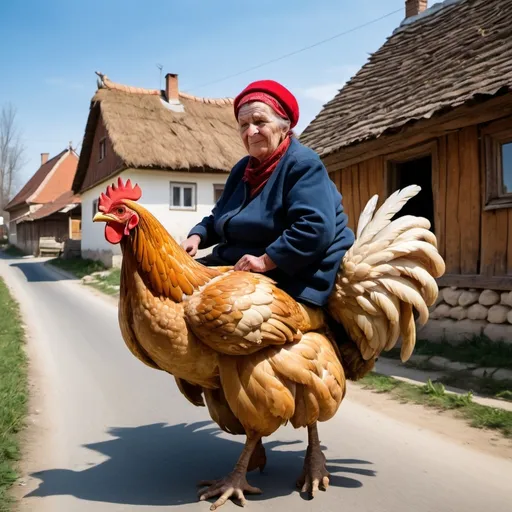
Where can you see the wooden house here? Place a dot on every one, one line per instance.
(179, 148)
(45, 207)
(433, 106)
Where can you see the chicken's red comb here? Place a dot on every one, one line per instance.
(122, 191)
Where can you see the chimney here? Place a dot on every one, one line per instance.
(44, 158)
(414, 7)
(171, 87)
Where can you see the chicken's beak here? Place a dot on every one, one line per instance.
(103, 217)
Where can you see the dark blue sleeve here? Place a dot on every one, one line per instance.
(205, 229)
(311, 217)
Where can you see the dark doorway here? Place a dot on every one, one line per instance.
(415, 172)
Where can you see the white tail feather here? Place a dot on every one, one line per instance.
(389, 270)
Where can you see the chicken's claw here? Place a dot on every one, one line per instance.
(314, 476)
(234, 485)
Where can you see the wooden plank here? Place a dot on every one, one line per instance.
(354, 174)
(500, 265)
(452, 257)
(348, 203)
(338, 181)
(421, 131)
(509, 243)
(376, 184)
(364, 187)
(488, 237)
(476, 281)
(469, 211)
(439, 178)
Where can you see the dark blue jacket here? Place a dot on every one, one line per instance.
(297, 219)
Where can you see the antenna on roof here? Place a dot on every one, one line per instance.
(160, 67)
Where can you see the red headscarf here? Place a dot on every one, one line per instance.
(284, 104)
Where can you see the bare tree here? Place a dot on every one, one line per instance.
(12, 152)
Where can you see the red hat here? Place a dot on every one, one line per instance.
(262, 90)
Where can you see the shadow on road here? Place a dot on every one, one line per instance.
(156, 465)
(37, 272)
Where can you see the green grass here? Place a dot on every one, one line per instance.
(83, 267)
(13, 251)
(435, 395)
(483, 385)
(13, 392)
(106, 284)
(78, 266)
(479, 351)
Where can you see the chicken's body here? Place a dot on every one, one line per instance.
(291, 374)
(256, 356)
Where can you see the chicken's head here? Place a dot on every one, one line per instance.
(116, 209)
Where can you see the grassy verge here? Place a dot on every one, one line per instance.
(13, 391)
(479, 351)
(13, 251)
(482, 385)
(78, 266)
(107, 283)
(435, 395)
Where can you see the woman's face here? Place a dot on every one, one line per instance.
(261, 129)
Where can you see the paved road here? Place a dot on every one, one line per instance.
(122, 438)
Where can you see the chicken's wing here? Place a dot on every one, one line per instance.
(240, 313)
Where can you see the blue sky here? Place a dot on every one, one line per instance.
(49, 51)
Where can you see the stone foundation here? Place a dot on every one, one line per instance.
(461, 314)
(108, 258)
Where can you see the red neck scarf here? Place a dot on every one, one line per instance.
(257, 174)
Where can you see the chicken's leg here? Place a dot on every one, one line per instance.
(258, 458)
(235, 483)
(314, 474)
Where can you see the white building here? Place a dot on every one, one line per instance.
(178, 148)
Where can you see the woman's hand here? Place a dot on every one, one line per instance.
(191, 244)
(258, 264)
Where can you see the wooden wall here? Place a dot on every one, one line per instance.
(358, 183)
(28, 233)
(472, 241)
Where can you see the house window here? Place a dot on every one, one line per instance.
(497, 141)
(217, 192)
(103, 148)
(94, 207)
(183, 196)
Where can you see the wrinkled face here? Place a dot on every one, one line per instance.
(261, 129)
(120, 221)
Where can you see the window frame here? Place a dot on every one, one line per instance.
(217, 187)
(95, 209)
(102, 144)
(182, 185)
(493, 137)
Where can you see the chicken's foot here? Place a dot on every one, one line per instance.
(235, 484)
(315, 474)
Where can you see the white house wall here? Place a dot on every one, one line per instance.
(155, 187)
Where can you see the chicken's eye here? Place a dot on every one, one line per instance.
(120, 210)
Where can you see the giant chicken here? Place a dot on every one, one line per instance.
(256, 357)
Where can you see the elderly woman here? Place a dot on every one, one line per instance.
(279, 214)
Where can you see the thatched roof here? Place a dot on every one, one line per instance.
(453, 53)
(148, 131)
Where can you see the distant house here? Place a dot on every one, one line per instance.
(433, 106)
(45, 206)
(179, 148)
